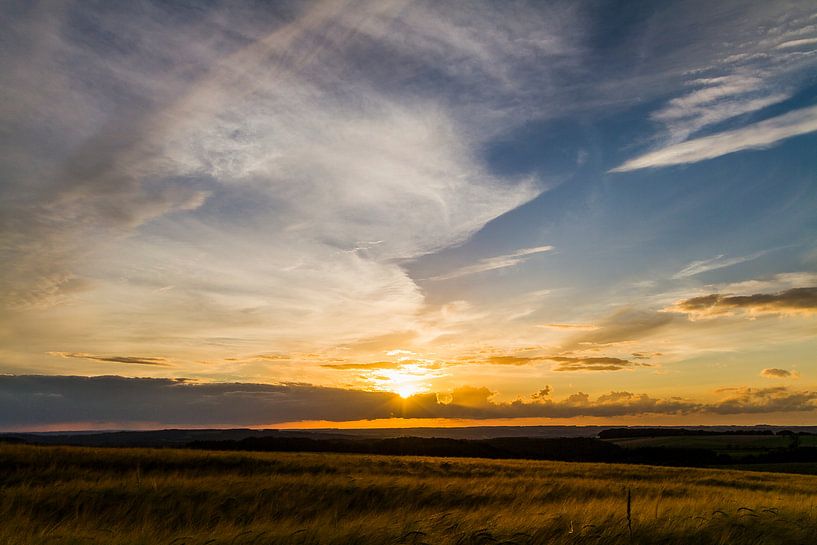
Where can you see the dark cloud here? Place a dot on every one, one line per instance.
(793, 300)
(141, 360)
(566, 363)
(543, 393)
(625, 325)
(776, 373)
(478, 402)
(35, 400)
(764, 400)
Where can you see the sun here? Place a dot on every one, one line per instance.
(406, 381)
(407, 390)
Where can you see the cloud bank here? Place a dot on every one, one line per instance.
(35, 400)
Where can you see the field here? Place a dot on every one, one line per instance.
(733, 445)
(70, 495)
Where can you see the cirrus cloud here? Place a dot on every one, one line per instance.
(760, 135)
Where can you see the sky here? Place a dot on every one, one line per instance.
(390, 213)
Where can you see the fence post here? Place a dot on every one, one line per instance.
(630, 513)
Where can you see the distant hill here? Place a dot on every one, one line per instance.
(693, 447)
(620, 433)
(180, 437)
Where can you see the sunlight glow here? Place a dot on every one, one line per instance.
(407, 390)
(407, 380)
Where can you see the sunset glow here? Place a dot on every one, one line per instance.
(407, 380)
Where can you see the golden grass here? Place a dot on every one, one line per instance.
(64, 495)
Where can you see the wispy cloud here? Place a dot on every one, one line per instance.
(367, 366)
(279, 145)
(774, 284)
(574, 327)
(139, 360)
(494, 263)
(760, 135)
(717, 262)
(625, 325)
(757, 67)
(714, 100)
(797, 43)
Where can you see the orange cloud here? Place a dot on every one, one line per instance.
(512, 360)
(792, 301)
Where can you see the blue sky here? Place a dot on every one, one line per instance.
(479, 202)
